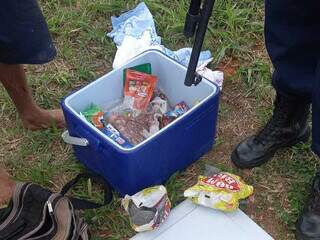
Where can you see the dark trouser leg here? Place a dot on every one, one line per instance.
(307, 227)
(293, 43)
(292, 39)
(316, 113)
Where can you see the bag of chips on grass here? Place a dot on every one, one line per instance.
(148, 208)
(221, 191)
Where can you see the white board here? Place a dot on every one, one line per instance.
(188, 221)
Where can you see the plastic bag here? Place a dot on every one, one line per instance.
(158, 105)
(135, 128)
(148, 208)
(178, 110)
(221, 191)
(138, 89)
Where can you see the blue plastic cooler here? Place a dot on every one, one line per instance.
(153, 161)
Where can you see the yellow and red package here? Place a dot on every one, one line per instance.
(221, 191)
(138, 89)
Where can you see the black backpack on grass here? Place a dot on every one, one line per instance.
(35, 213)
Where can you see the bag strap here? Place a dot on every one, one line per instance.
(82, 204)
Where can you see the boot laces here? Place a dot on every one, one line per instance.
(273, 128)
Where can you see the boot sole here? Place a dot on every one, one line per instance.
(260, 161)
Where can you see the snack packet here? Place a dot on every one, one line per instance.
(221, 191)
(170, 116)
(145, 68)
(178, 110)
(148, 208)
(94, 115)
(138, 89)
(116, 136)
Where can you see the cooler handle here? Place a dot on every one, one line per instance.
(74, 140)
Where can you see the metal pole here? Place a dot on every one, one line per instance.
(192, 18)
(192, 77)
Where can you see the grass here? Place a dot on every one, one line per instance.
(235, 34)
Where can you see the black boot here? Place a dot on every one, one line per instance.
(308, 225)
(287, 127)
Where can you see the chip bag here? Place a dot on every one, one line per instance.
(221, 191)
(148, 208)
(94, 115)
(138, 89)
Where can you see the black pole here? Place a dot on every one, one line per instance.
(192, 18)
(192, 77)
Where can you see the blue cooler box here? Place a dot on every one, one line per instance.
(154, 160)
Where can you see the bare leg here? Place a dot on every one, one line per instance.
(33, 117)
(7, 186)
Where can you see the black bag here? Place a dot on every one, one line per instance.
(35, 213)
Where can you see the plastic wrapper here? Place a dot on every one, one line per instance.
(116, 136)
(170, 116)
(158, 93)
(138, 89)
(221, 191)
(135, 128)
(148, 208)
(121, 109)
(178, 110)
(110, 105)
(94, 115)
(159, 105)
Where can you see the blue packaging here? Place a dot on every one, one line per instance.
(116, 136)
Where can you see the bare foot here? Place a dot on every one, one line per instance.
(42, 119)
(7, 186)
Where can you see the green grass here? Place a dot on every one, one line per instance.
(78, 28)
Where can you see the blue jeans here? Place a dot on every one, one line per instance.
(292, 35)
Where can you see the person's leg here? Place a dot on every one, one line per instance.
(308, 224)
(33, 117)
(316, 113)
(292, 40)
(7, 186)
(25, 39)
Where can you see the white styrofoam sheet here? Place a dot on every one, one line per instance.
(188, 221)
